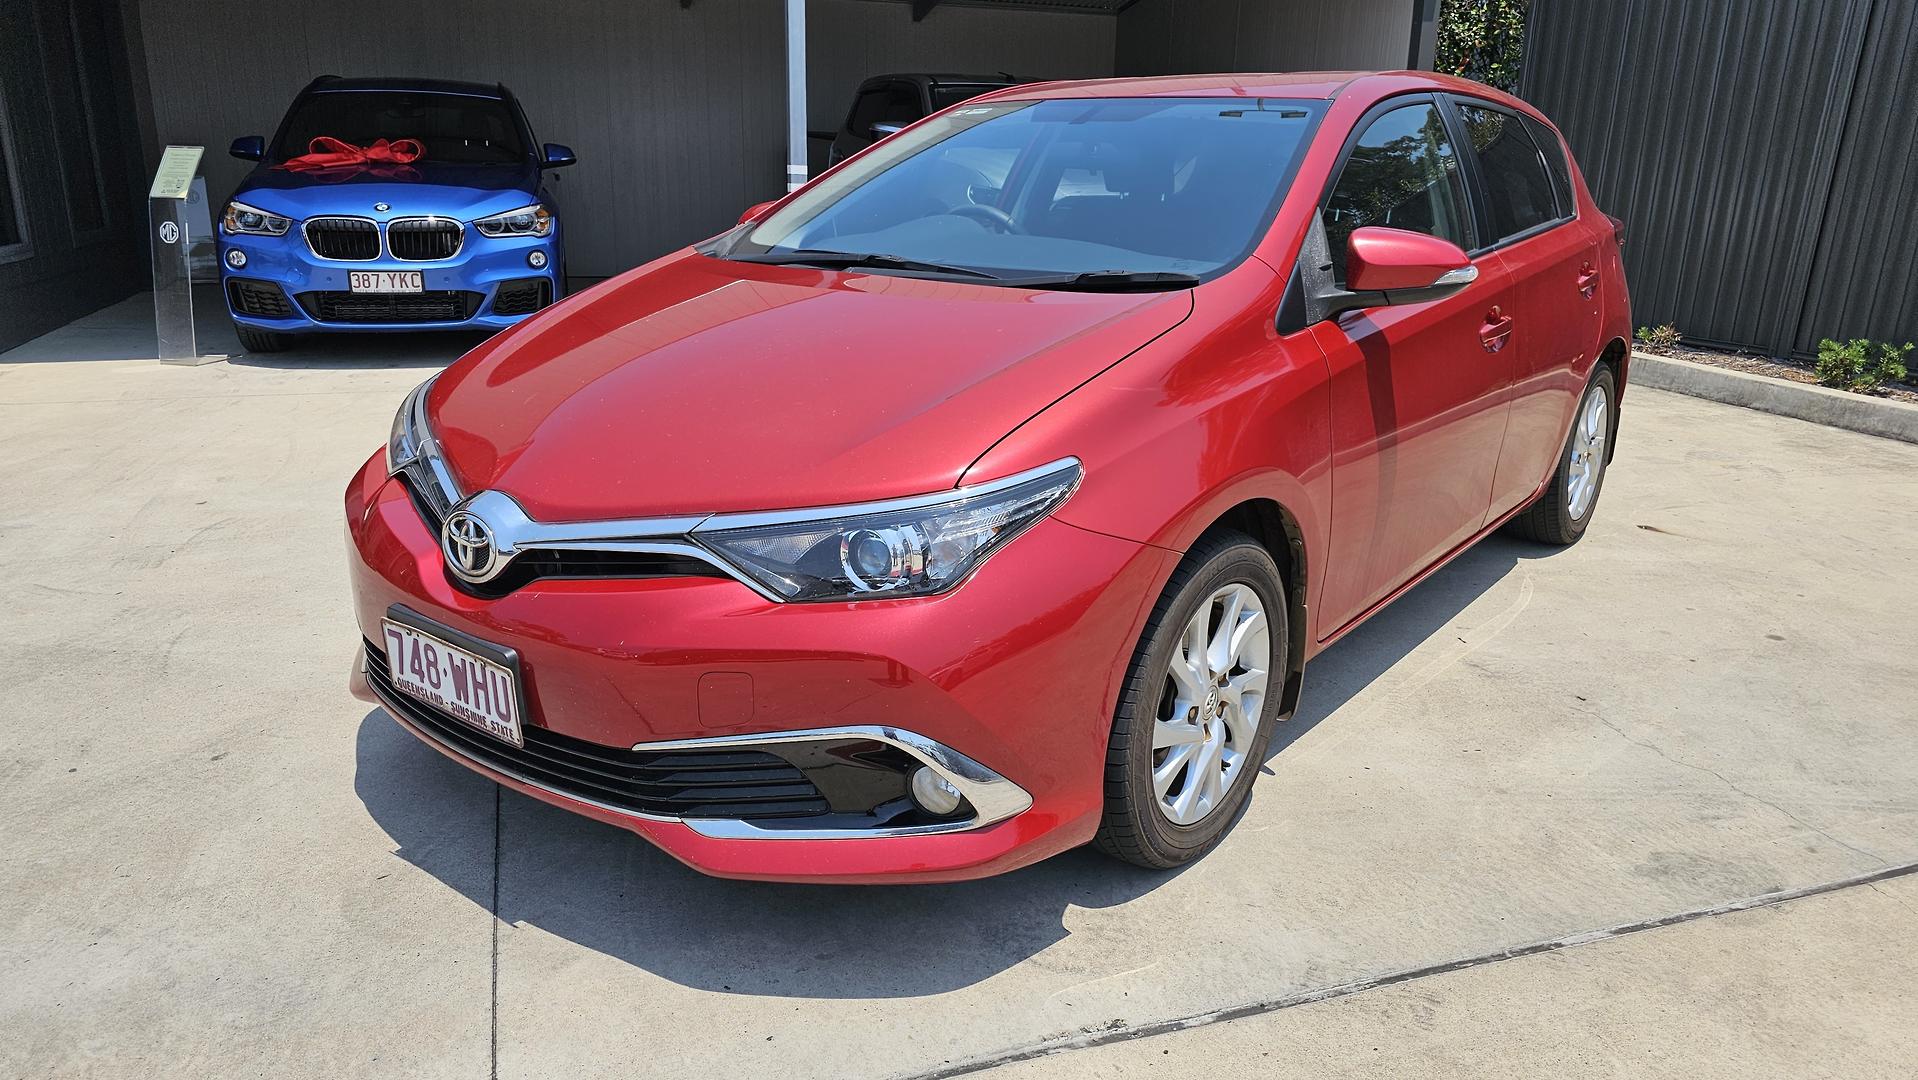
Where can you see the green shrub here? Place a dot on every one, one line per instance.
(1663, 336)
(1860, 365)
(1483, 40)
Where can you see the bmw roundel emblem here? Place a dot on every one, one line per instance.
(381, 207)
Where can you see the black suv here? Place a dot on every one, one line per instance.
(885, 103)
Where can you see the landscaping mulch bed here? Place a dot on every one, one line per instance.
(1789, 370)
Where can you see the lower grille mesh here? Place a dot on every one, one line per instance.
(260, 298)
(738, 784)
(439, 305)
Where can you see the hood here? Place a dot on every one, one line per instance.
(698, 385)
(424, 187)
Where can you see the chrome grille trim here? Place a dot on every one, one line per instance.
(515, 532)
(353, 223)
(429, 224)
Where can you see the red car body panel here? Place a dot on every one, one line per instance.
(694, 385)
(1389, 439)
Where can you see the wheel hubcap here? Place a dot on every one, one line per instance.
(1210, 707)
(1587, 463)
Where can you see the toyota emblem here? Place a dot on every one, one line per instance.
(467, 542)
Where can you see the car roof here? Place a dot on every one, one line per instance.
(1283, 84)
(949, 79)
(328, 84)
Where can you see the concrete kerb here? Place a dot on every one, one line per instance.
(1818, 404)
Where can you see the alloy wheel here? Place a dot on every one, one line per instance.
(1209, 710)
(1587, 462)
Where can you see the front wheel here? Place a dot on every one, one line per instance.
(1197, 708)
(1560, 515)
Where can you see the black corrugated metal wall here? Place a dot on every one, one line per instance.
(1760, 152)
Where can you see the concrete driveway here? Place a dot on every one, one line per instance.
(213, 862)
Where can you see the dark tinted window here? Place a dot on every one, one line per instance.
(452, 128)
(1517, 189)
(1555, 162)
(893, 103)
(943, 96)
(73, 109)
(10, 231)
(1402, 174)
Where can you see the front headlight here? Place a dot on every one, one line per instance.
(534, 220)
(409, 430)
(243, 220)
(912, 547)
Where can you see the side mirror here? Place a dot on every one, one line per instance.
(755, 210)
(557, 156)
(248, 148)
(1385, 267)
(888, 128)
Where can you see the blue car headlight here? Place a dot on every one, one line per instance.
(243, 220)
(534, 220)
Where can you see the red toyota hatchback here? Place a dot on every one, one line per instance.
(988, 495)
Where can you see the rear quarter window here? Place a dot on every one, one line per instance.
(1518, 188)
(1556, 164)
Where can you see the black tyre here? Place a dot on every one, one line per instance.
(1560, 515)
(260, 341)
(1198, 705)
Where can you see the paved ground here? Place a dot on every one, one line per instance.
(213, 862)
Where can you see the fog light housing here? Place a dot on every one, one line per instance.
(235, 258)
(934, 793)
(536, 260)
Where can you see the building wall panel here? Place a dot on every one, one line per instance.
(1161, 37)
(1754, 148)
(678, 114)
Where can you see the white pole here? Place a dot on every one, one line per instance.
(795, 94)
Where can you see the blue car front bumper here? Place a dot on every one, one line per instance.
(488, 284)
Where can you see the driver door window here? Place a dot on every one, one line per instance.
(1403, 173)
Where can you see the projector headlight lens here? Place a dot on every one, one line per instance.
(914, 547)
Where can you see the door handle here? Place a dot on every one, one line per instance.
(1587, 280)
(1495, 331)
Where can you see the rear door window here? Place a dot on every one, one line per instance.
(1402, 173)
(1518, 189)
(1555, 163)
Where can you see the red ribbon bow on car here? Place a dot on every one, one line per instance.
(386, 158)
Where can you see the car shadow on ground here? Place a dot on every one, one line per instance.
(605, 889)
(347, 350)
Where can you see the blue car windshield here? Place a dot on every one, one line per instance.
(1136, 185)
(453, 128)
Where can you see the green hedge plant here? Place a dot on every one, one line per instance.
(1860, 365)
(1483, 40)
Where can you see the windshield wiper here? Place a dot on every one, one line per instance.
(846, 260)
(1109, 281)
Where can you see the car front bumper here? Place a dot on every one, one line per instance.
(1016, 671)
(461, 293)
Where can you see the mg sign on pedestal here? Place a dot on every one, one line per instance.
(172, 266)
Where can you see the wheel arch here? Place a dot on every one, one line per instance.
(1617, 356)
(1277, 530)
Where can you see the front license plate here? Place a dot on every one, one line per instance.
(454, 680)
(385, 281)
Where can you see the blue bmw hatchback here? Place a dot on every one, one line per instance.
(392, 204)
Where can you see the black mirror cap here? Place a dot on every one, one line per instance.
(557, 156)
(1339, 301)
(248, 148)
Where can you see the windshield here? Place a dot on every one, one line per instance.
(1134, 185)
(452, 127)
